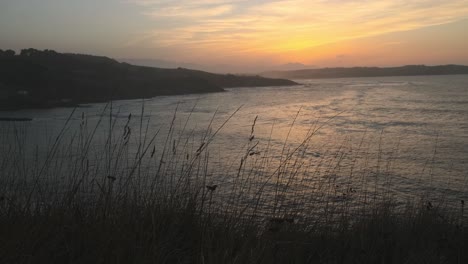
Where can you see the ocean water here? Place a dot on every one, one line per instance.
(343, 139)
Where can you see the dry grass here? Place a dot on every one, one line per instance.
(132, 198)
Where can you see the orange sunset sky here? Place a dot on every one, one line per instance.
(246, 35)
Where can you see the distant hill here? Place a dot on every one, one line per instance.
(250, 68)
(408, 70)
(46, 79)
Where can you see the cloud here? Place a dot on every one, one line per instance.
(231, 27)
(190, 12)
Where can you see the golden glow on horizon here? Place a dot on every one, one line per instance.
(245, 32)
(286, 29)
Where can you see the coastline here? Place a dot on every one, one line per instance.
(83, 104)
(47, 79)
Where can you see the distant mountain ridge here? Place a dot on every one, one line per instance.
(47, 78)
(250, 68)
(407, 70)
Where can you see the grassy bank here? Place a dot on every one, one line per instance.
(129, 200)
(130, 232)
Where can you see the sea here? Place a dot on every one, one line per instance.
(339, 140)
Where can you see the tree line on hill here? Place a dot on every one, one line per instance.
(35, 78)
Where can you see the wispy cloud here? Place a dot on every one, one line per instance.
(190, 11)
(240, 26)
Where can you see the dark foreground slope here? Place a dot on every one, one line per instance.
(409, 70)
(47, 79)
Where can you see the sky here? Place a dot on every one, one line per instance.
(241, 35)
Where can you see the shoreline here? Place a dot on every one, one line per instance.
(365, 72)
(47, 79)
(84, 104)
